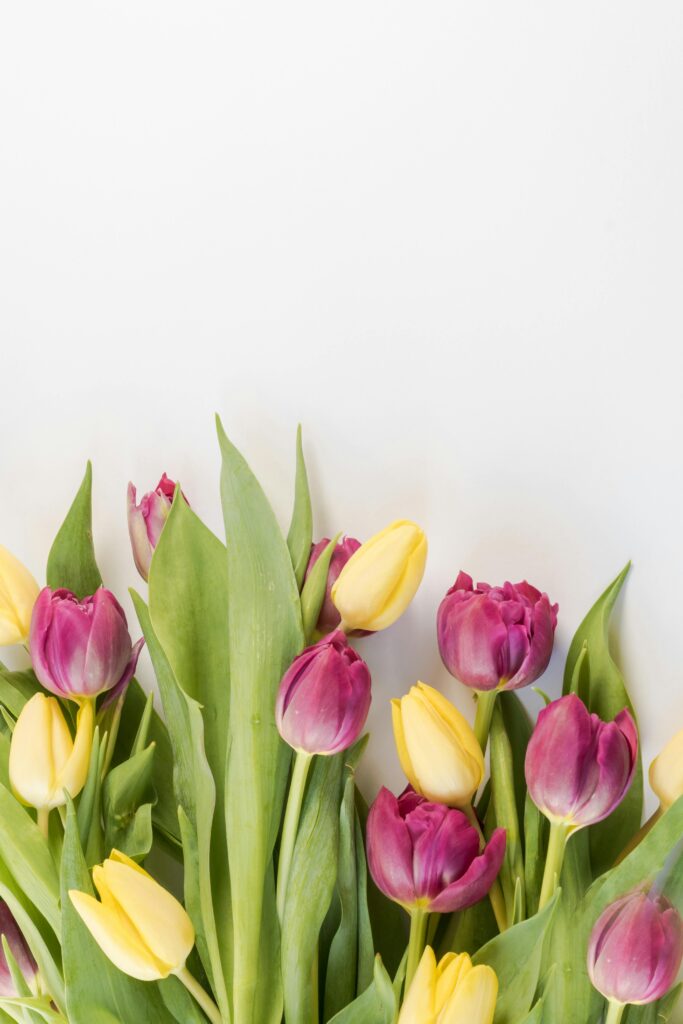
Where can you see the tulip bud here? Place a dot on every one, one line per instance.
(380, 580)
(20, 951)
(426, 856)
(147, 520)
(329, 617)
(81, 648)
(140, 926)
(495, 637)
(666, 772)
(43, 759)
(437, 748)
(636, 948)
(18, 593)
(450, 992)
(324, 697)
(579, 768)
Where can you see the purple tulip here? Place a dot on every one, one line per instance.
(636, 948)
(426, 855)
(329, 617)
(579, 768)
(81, 648)
(324, 697)
(492, 637)
(20, 952)
(146, 521)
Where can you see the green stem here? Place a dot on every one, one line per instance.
(486, 700)
(495, 892)
(302, 763)
(44, 820)
(559, 834)
(200, 995)
(416, 943)
(615, 1012)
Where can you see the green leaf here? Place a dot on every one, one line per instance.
(340, 984)
(300, 533)
(535, 1016)
(265, 634)
(536, 831)
(518, 727)
(505, 811)
(27, 856)
(654, 1013)
(71, 562)
(90, 806)
(366, 946)
(128, 794)
(16, 688)
(377, 1005)
(313, 593)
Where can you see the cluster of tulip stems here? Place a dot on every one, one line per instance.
(534, 895)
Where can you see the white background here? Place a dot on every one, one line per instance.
(447, 237)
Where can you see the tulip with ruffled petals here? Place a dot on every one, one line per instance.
(82, 648)
(329, 618)
(19, 950)
(18, 593)
(453, 991)
(146, 520)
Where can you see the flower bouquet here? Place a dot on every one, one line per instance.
(215, 861)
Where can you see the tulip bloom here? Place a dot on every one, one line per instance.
(18, 593)
(81, 648)
(636, 948)
(20, 951)
(380, 580)
(324, 697)
(329, 617)
(450, 992)
(44, 760)
(425, 855)
(666, 772)
(437, 748)
(147, 520)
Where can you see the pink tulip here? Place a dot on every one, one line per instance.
(636, 948)
(579, 768)
(329, 617)
(81, 648)
(492, 637)
(426, 855)
(324, 697)
(146, 521)
(20, 952)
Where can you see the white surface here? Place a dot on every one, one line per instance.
(445, 236)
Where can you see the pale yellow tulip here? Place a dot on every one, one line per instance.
(450, 992)
(666, 772)
(18, 593)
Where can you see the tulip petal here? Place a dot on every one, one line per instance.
(450, 971)
(18, 593)
(390, 850)
(474, 998)
(31, 769)
(419, 1005)
(73, 774)
(475, 883)
(118, 939)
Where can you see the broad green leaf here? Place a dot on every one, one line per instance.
(340, 984)
(27, 856)
(265, 634)
(179, 1002)
(377, 1005)
(535, 1016)
(654, 1013)
(16, 688)
(301, 528)
(71, 562)
(128, 794)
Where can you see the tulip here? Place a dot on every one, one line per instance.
(19, 950)
(578, 770)
(450, 992)
(329, 617)
(147, 520)
(666, 772)
(18, 593)
(437, 748)
(44, 761)
(380, 580)
(635, 950)
(81, 648)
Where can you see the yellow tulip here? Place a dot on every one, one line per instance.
(18, 593)
(380, 580)
(437, 748)
(450, 992)
(43, 759)
(666, 772)
(140, 926)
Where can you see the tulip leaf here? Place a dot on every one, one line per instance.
(313, 593)
(265, 634)
(601, 686)
(506, 811)
(519, 728)
(536, 831)
(377, 1005)
(16, 688)
(128, 794)
(535, 1016)
(654, 1013)
(300, 533)
(180, 1003)
(366, 947)
(71, 562)
(340, 984)
(27, 856)
(89, 812)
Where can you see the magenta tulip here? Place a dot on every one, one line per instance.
(81, 648)
(495, 637)
(636, 948)
(426, 856)
(579, 768)
(324, 697)
(329, 617)
(20, 952)
(146, 521)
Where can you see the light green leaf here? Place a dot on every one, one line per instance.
(27, 856)
(505, 811)
(40, 938)
(340, 984)
(313, 593)
(16, 688)
(377, 1005)
(300, 533)
(128, 794)
(71, 562)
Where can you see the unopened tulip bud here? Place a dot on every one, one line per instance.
(426, 856)
(437, 748)
(666, 772)
(450, 992)
(636, 948)
(147, 519)
(495, 637)
(81, 648)
(19, 950)
(380, 580)
(329, 617)
(18, 593)
(44, 761)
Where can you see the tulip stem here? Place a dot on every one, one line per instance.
(615, 1012)
(486, 700)
(557, 843)
(200, 995)
(495, 892)
(416, 943)
(44, 820)
(302, 762)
